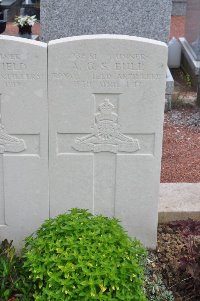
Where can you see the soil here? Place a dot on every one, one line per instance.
(181, 146)
(178, 258)
(178, 252)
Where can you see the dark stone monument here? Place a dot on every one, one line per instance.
(179, 7)
(192, 28)
(31, 8)
(10, 9)
(191, 43)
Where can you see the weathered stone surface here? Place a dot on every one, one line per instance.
(23, 137)
(64, 18)
(106, 98)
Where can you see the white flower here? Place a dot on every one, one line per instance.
(31, 20)
(25, 20)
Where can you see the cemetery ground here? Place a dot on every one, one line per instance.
(178, 251)
(177, 258)
(181, 140)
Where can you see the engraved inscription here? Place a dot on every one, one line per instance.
(106, 135)
(14, 71)
(122, 70)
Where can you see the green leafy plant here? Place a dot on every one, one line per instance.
(188, 80)
(12, 280)
(186, 77)
(78, 256)
(7, 269)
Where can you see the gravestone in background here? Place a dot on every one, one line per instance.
(179, 7)
(24, 200)
(191, 44)
(64, 18)
(11, 8)
(106, 98)
(192, 26)
(30, 8)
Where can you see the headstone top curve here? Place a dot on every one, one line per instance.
(22, 40)
(106, 36)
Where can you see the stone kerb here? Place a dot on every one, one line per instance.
(105, 108)
(24, 198)
(106, 99)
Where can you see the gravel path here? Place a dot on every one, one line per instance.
(181, 146)
(188, 118)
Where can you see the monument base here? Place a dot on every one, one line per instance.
(191, 65)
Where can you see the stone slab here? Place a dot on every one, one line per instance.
(179, 201)
(24, 197)
(66, 18)
(169, 83)
(191, 65)
(190, 56)
(106, 99)
(192, 26)
(169, 90)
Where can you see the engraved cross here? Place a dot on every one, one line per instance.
(12, 145)
(105, 142)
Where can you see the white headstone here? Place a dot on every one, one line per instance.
(106, 97)
(24, 200)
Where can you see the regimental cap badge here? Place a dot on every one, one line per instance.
(106, 112)
(106, 135)
(106, 107)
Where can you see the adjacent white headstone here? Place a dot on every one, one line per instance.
(106, 97)
(24, 203)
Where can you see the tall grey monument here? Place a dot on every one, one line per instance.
(65, 18)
